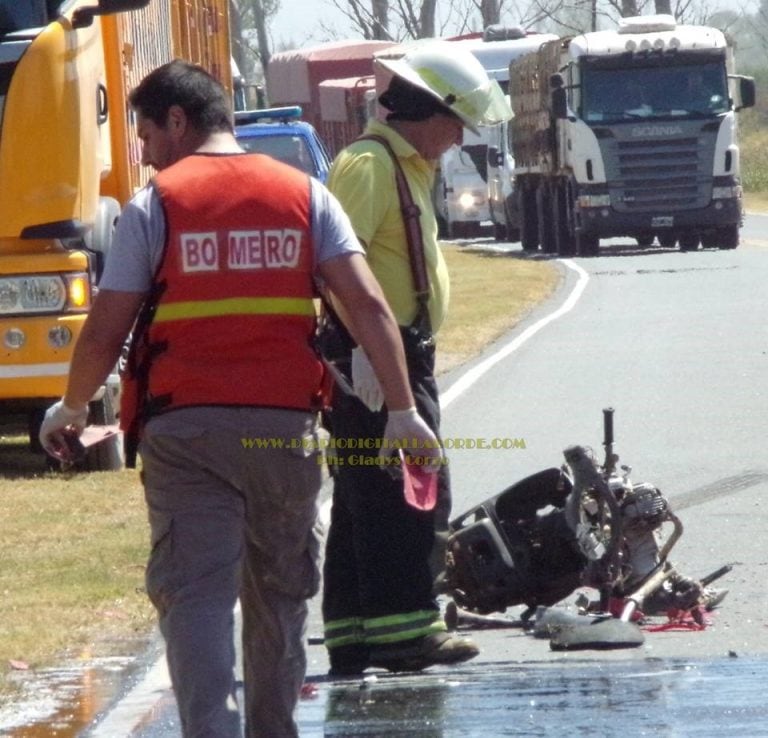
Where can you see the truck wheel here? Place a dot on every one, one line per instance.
(499, 231)
(644, 240)
(689, 241)
(728, 237)
(529, 227)
(587, 244)
(667, 239)
(544, 212)
(566, 245)
(473, 229)
(107, 455)
(442, 227)
(513, 232)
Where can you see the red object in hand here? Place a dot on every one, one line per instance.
(419, 485)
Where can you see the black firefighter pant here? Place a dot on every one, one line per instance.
(382, 555)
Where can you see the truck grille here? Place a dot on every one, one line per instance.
(658, 174)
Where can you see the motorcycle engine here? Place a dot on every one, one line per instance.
(643, 507)
(643, 510)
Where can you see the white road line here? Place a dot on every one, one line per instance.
(464, 382)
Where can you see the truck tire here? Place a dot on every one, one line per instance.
(689, 241)
(442, 226)
(499, 231)
(728, 237)
(587, 244)
(667, 239)
(529, 225)
(513, 233)
(644, 240)
(561, 217)
(544, 211)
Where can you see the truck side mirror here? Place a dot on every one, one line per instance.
(83, 17)
(746, 92)
(495, 157)
(559, 103)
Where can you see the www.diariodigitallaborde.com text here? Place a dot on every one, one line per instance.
(315, 443)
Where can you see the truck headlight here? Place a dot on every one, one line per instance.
(467, 200)
(727, 192)
(594, 201)
(44, 293)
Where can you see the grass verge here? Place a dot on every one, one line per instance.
(72, 550)
(490, 293)
(73, 547)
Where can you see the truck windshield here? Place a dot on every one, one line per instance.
(18, 15)
(690, 90)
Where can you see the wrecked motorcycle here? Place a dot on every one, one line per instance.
(583, 524)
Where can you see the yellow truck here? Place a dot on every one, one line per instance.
(69, 159)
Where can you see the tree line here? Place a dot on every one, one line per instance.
(402, 20)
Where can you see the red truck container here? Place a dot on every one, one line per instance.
(329, 82)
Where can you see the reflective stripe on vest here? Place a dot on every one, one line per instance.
(235, 306)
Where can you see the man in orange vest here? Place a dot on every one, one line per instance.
(218, 259)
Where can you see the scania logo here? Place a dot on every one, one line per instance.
(649, 131)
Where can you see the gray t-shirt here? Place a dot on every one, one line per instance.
(140, 237)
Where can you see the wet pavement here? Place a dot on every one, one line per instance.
(654, 698)
(617, 693)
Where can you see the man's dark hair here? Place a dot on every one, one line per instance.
(201, 96)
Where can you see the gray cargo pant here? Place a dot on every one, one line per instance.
(227, 521)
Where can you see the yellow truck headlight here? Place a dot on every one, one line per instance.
(43, 293)
(78, 292)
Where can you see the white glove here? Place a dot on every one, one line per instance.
(57, 419)
(406, 429)
(364, 381)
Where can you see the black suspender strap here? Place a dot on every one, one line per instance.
(413, 235)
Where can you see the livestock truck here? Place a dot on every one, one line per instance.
(630, 132)
(69, 159)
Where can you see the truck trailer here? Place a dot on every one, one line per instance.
(628, 132)
(331, 83)
(69, 160)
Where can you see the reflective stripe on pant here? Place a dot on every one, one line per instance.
(229, 521)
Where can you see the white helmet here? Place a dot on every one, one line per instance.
(456, 78)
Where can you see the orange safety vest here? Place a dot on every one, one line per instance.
(231, 318)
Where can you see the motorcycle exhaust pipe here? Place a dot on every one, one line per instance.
(722, 571)
(635, 600)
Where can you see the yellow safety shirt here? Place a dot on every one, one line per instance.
(363, 180)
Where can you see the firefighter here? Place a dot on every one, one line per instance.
(383, 556)
(214, 266)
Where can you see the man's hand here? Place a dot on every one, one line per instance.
(364, 381)
(406, 429)
(59, 421)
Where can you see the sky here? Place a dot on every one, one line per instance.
(297, 23)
